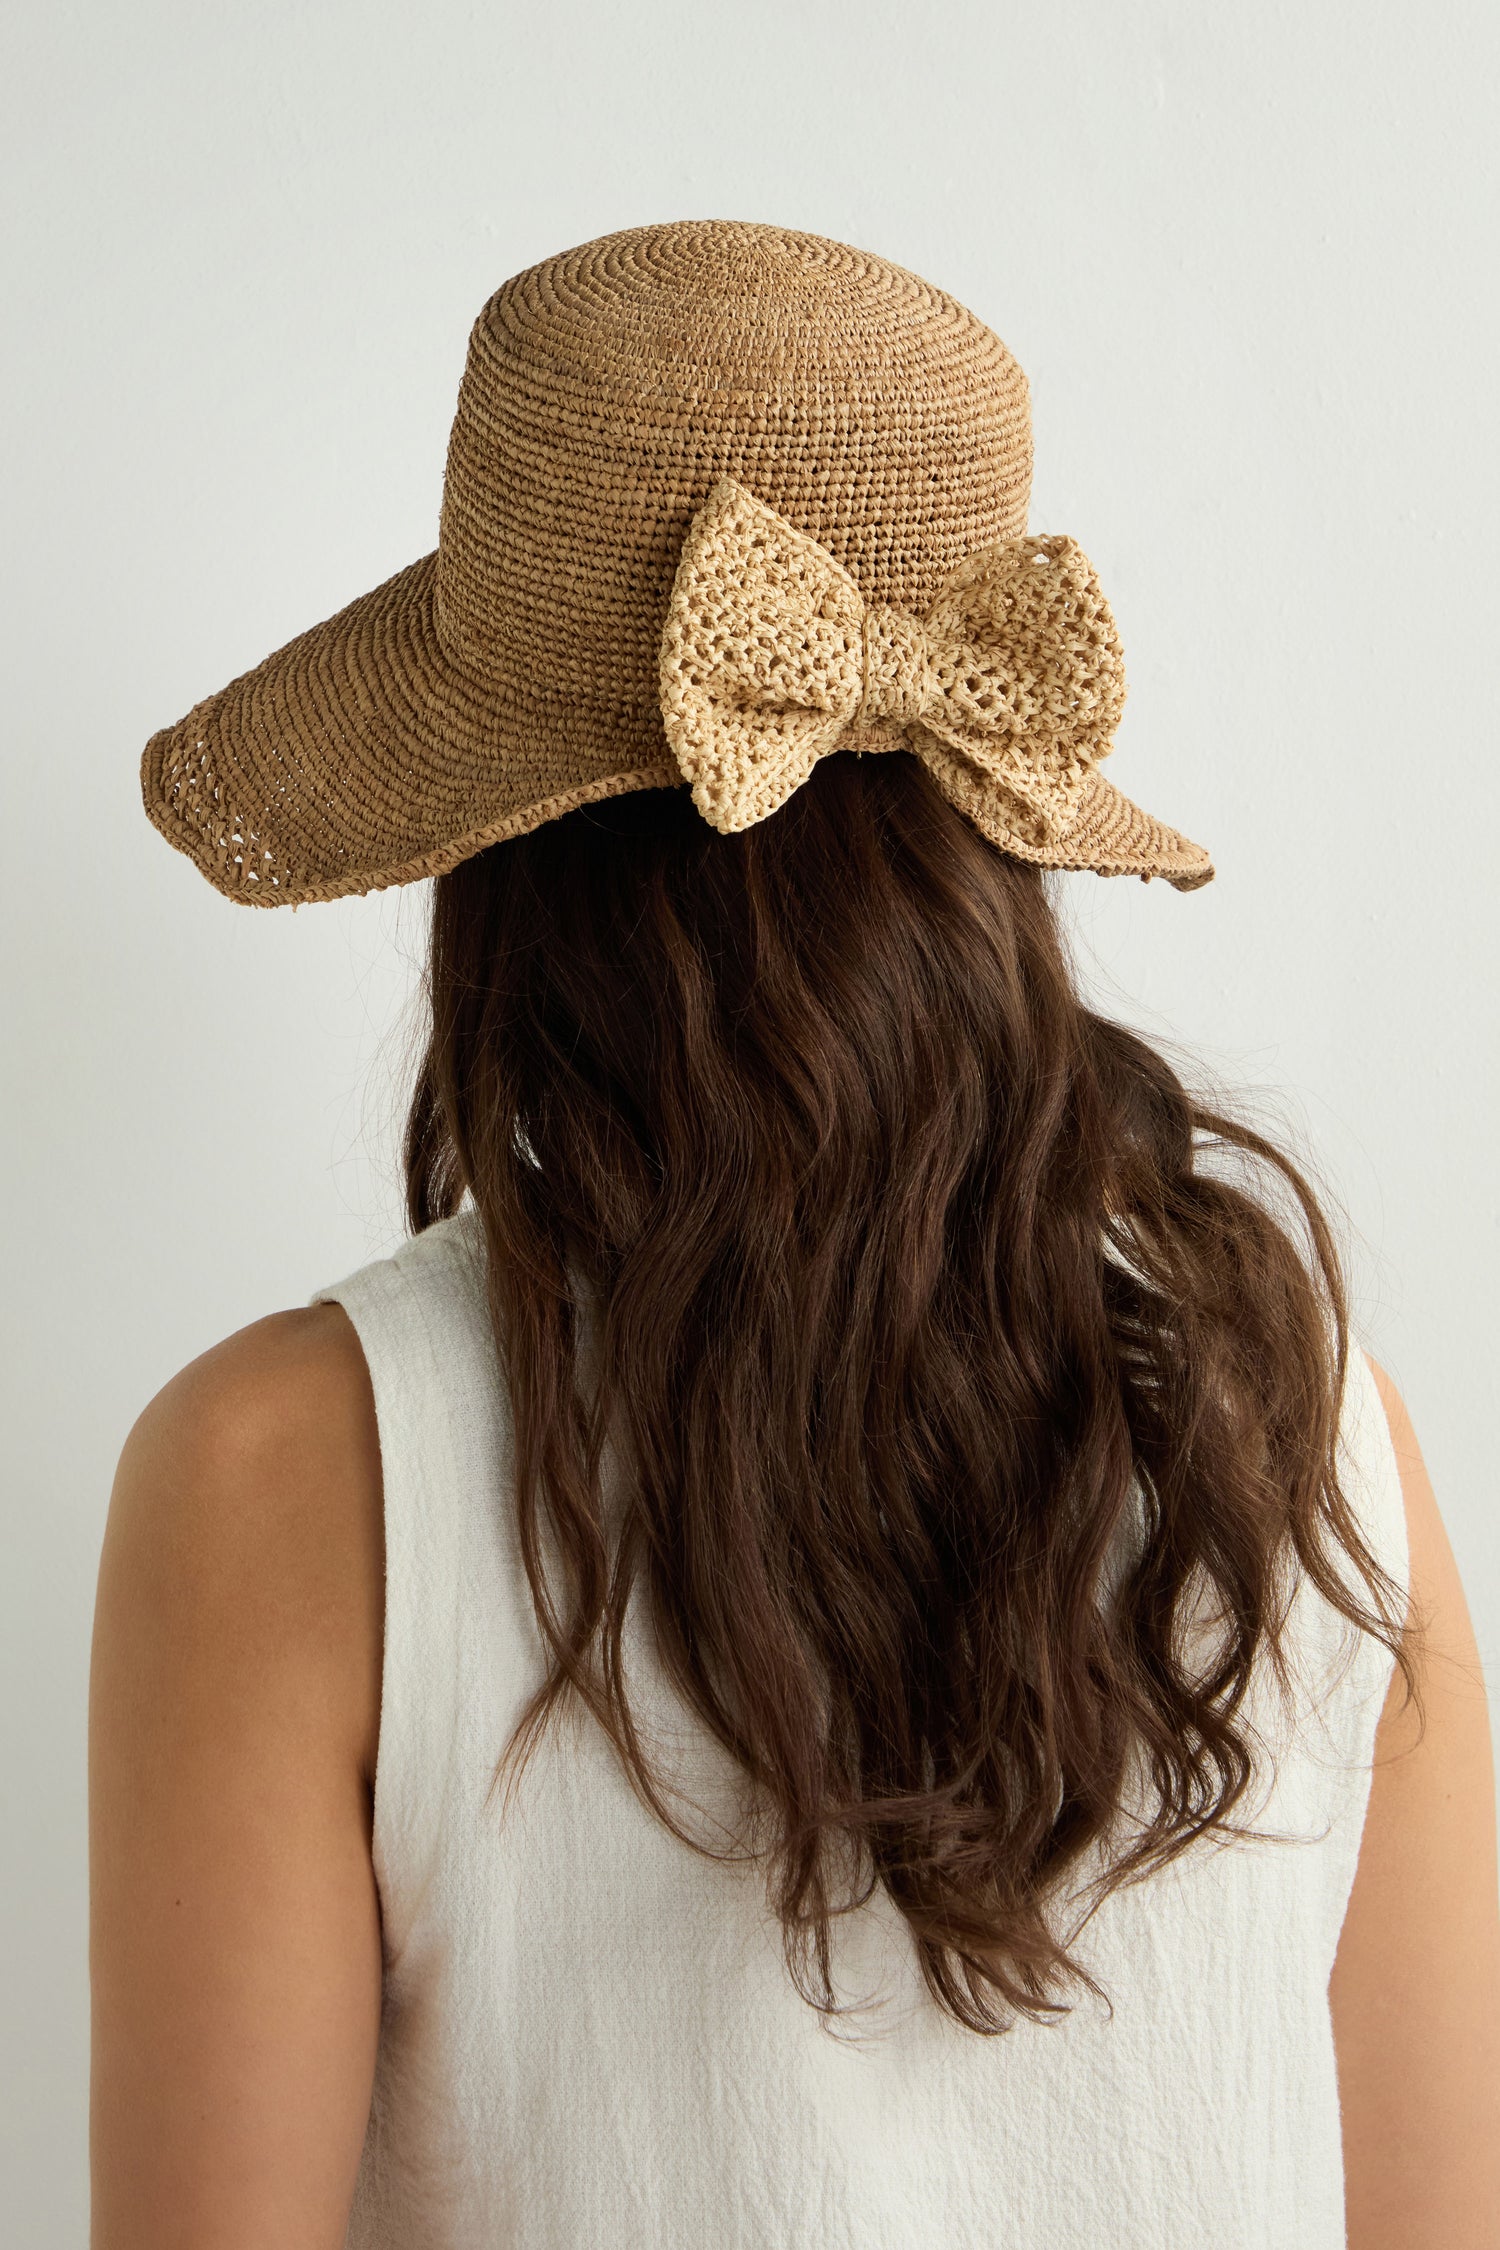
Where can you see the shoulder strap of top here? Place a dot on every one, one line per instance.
(1370, 1478)
(1374, 1474)
(1345, 1673)
(422, 1321)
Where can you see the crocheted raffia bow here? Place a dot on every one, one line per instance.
(771, 658)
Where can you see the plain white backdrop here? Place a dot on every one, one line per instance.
(1247, 257)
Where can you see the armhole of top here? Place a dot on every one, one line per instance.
(420, 1658)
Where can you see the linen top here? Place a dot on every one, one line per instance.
(589, 2035)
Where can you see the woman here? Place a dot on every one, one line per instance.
(843, 1648)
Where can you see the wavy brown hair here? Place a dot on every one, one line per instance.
(916, 1277)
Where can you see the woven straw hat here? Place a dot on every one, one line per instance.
(719, 499)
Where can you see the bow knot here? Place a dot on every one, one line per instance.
(897, 669)
(1010, 689)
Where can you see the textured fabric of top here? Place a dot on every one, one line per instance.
(514, 674)
(589, 2036)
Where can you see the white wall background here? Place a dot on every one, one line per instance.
(1247, 256)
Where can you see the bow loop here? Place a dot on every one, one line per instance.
(762, 661)
(1010, 688)
(1030, 676)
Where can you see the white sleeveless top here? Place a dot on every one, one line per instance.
(589, 2034)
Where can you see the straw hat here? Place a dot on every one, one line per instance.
(720, 499)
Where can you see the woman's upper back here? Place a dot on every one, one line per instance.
(589, 2031)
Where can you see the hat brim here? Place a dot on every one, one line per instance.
(1111, 835)
(359, 757)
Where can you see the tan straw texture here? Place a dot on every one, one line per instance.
(720, 499)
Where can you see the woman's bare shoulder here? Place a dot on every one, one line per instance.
(234, 1713)
(1415, 1992)
(285, 1371)
(250, 1485)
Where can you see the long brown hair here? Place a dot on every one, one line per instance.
(916, 1275)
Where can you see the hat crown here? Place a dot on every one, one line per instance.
(608, 389)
